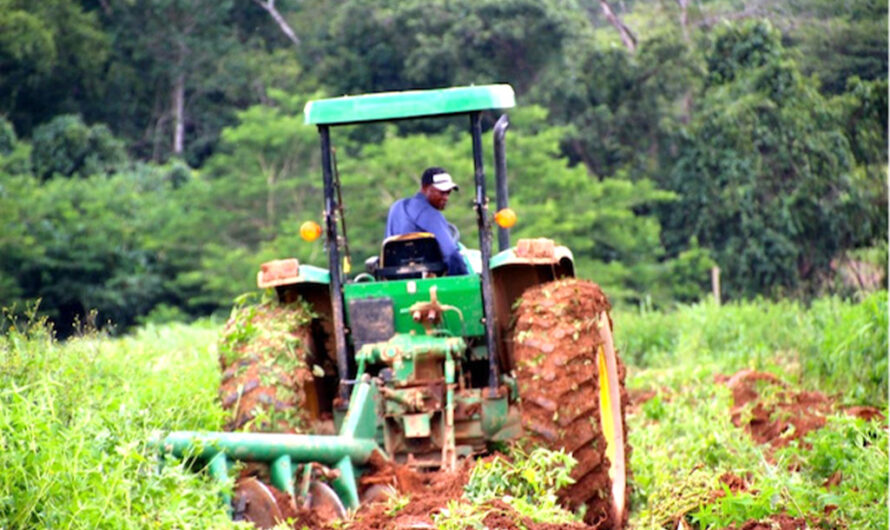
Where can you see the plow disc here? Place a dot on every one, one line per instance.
(255, 503)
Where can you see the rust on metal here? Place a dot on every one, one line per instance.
(278, 272)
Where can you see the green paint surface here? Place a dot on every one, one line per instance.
(461, 292)
(408, 104)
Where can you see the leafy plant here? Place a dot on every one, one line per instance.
(458, 515)
(76, 419)
(526, 481)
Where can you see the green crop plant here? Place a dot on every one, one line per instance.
(256, 318)
(850, 355)
(528, 482)
(75, 418)
(851, 448)
(396, 503)
(683, 443)
(854, 451)
(458, 515)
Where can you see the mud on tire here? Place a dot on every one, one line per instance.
(556, 339)
(263, 353)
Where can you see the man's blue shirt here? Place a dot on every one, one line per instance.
(416, 214)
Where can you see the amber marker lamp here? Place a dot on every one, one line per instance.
(505, 218)
(310, 231)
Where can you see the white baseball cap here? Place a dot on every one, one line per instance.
(444, 182)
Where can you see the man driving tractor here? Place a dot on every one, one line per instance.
(422, 212)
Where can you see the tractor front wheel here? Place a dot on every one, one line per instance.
(571, 386)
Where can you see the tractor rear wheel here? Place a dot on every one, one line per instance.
(571, 385)
(267, 381)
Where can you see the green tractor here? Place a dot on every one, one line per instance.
(426, 369)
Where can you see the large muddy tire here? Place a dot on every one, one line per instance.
(571, 386)
(264, 354)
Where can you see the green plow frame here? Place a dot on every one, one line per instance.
(345, 452)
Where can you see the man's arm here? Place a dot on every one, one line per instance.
(432, 221)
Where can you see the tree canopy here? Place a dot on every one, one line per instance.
(152, 154)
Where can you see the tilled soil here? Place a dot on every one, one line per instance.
(773, 413)
(423, 495)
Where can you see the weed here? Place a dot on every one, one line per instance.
(396, 503)
(527, 481)
(459, 516)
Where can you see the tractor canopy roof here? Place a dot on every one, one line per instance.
(408, 104)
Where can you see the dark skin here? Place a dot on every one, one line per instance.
(437, 198)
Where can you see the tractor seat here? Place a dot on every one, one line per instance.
(408, 256)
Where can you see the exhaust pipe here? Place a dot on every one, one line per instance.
(500, 176)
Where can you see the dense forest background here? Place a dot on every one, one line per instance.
(153, 153)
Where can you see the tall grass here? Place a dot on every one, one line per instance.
(75, 419)
(835, 346)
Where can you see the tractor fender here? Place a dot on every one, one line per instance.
(294, 281)
(531, 262)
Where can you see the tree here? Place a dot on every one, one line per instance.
(164, 50)
(52, 54)
(415, 44)
(765, 174)
(839, 40)
(623, 108)
(77, 245)
(67, 146)
(244, 206)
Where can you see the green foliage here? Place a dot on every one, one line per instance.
(52, 54)
(687, 275)
(245, 207)
(679, 454)
(260, 322)
(459, 515)
(623, 108)
(767, 176)
(705, 145)
(440, 44)
(78, 245)
(856, 450)
(833, 346)
(76, 419)
(527, 482)
(529, 476)
(852, 353)
(683, 442)
(737, 48)
(839, 40)
(67, 146)
(8, 139)
(15, 155)
(864, 111)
